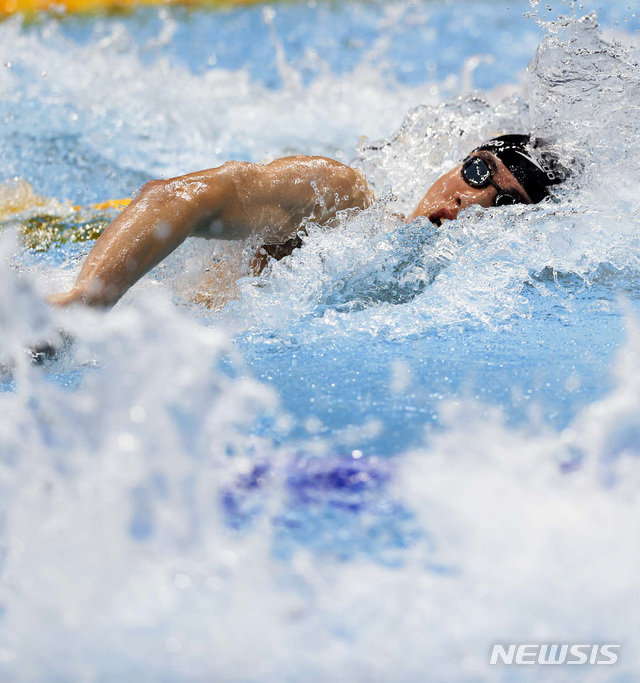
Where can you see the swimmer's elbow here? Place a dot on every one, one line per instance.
(155, 195)
(153, 188)
(237, 168)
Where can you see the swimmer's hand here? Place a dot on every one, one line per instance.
(61, 298)
(49, 349)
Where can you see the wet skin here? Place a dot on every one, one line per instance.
(269, 202)
(450, 194)
(266, 202)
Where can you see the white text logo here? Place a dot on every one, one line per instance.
(554, 654)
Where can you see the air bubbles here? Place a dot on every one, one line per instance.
(127, 442)
(6, 655)
(138, 414)
(313, 425)
(161, 231)
(173, 645)
(228, 558)
(401, 376)
(214, 583)
(182, 581)
(631, 360)
(573, 383)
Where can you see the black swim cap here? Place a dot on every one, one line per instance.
(535, 171)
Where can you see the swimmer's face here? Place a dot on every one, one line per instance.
(451, 193)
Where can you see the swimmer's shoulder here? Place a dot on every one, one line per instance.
(326, 175)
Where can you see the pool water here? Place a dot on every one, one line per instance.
(395, 448)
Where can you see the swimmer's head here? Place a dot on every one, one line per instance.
(509, 169)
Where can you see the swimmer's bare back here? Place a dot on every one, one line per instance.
(232, 202)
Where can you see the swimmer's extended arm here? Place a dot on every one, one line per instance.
(235, 201)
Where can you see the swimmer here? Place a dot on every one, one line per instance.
(273, 202)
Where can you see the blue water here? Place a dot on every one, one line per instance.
(395, 448)
(551, 364)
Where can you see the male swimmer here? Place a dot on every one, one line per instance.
(274, 201)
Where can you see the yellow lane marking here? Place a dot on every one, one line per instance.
(109, 204)
(29, 6)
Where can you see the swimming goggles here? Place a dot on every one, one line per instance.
(477, 173)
